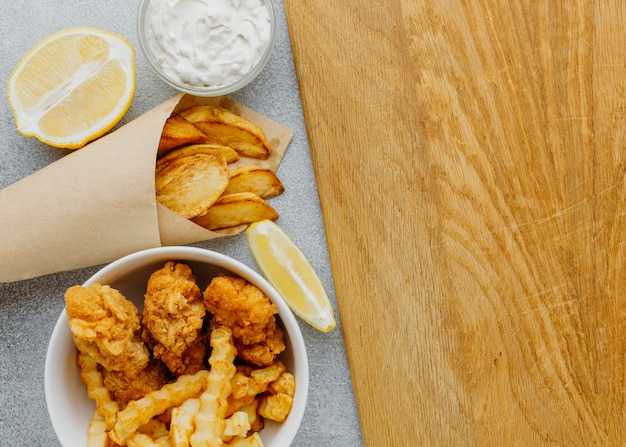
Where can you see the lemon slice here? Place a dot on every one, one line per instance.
(290, 272)
(72, 87)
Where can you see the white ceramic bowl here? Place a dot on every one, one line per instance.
(66, 396)
(167, 73)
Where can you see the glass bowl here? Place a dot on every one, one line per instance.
(206, 51)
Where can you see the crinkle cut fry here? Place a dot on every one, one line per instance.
(139, 412)
(237, 424)
(97, 435)
(91, 375)
(183, 424)
(214, 400)
(254, 440)
(142, 440)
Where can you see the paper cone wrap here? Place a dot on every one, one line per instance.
(98, 203)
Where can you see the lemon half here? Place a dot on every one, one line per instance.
(290, 272)
(72, 87)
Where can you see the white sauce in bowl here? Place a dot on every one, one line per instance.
(208, 43)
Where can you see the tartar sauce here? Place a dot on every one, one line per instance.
(208, 43)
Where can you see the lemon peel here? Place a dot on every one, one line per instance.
(72, 87)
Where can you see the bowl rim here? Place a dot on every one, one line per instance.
(204, 91)
(191, 254)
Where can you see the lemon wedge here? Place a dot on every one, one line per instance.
(72, 87)
(290, 272)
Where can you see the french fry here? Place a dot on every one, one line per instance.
(97, 435)
(93, 378)
(190, 185)
(231, 210)
(286, 384)
(241, 381)
(183, 422)
(164, 441)
(139, 412)
(178, 132)
(247, 384)
(253, 440)
(249, 404)
(236, 404)
(263, 377)
(256, 421)
(275, 407)
(142, 440)
(154, 428)
(236, 425)
(213, 401)
(230, 129)
(261, 181)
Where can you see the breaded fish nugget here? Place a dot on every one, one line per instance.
(248, 312)
(105, 326)
(173, 317)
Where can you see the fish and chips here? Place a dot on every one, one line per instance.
(195, 368)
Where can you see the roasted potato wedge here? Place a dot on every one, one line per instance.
(189, 185)
(229, 154)
(236, 209)
(261, 181)
(230, 129)
(178, 132)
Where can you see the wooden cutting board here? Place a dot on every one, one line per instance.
(471, 163)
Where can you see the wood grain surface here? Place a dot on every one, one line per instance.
(470, 157)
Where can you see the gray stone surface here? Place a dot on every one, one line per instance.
(30, 308)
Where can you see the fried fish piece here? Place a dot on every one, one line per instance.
(106, 326)
(173, 318)
(106, 330)
(231, 210)
(189, 185)
(251, 178)
(244, 308)
(177, 132)
(125, 387)
(226, 127)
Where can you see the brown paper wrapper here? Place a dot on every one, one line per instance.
(98, 203)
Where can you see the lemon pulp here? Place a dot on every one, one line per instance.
(72, 87)
(290, 272)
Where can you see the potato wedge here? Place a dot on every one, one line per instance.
(261, 181)
(230, 129)
(236, 209)
(178, 132)
(229, 154)
(189, 185)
